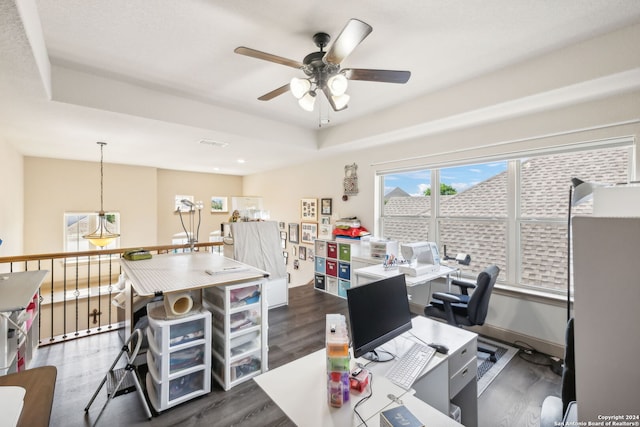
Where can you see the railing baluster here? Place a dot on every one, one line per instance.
(51, 275)
(89, 291)
(77, 294)
(64, 301)
(110, 288)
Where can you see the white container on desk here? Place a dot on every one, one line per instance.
(178, 359)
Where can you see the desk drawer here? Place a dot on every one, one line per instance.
(462, 356)
(461, 378)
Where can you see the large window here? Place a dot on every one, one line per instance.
(511, 213)
(544, 203)
(78, 224)
(407, 206)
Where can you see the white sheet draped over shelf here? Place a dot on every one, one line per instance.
(258, 244)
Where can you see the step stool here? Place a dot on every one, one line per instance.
(123, 380)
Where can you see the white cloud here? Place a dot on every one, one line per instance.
(461, 186)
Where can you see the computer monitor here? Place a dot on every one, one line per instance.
(378, 312)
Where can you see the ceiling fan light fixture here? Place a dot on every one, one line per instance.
(307, 101)
(337, 84)
(299, 87)
(340, 101)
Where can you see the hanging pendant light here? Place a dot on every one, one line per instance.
(101, 237)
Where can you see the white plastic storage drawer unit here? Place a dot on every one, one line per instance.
(239, 350)
(178, 359)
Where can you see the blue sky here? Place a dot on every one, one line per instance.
(459, 177)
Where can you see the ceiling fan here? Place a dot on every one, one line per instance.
(323, 68)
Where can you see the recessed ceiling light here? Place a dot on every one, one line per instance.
(214, 143)
(241, 160)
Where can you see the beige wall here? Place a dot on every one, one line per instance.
(11, 200)
(53, 187)
(199, 185)
(144, 197)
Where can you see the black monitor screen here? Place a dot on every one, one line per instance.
(378, 312)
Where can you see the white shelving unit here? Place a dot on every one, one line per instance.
(178, 359)
(335, 263)
(239, 348)
(19, 300)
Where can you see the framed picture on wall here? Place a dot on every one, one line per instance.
(302, 251)
(309, 209)
(325, 231)
(294, 229)
(325, 206)
(219, 204)
(309, 232)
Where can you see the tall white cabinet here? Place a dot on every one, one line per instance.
(606, 300)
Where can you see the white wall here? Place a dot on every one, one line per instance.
(12, 197)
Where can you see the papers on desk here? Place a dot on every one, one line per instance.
(11, 402)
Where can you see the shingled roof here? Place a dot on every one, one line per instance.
(544, 193)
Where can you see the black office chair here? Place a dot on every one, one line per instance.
(464, 309)
(554, 408)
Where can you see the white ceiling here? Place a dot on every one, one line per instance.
(154, 77)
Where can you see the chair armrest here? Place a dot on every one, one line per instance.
(447, 299)
(442, 296)
(463, 285)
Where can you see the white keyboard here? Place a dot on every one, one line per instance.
(406, 369)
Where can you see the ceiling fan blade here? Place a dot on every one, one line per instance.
(274, 93)
(385, 76)
(327, 93)
(247, 51)
(351, 36)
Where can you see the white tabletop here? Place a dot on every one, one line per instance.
(379, 272)
(11, 403)
(185, 271)
(17, 289)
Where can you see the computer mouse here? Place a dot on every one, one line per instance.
(443, 349)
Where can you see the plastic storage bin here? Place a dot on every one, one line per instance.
(178, 358)
(239, 349)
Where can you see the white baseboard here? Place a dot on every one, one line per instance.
(507, 336)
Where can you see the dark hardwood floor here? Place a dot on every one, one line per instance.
(513, 399)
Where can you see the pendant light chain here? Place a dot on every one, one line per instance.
(102, 144)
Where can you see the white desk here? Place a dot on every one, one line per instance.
(378, 272)
(299, 387)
